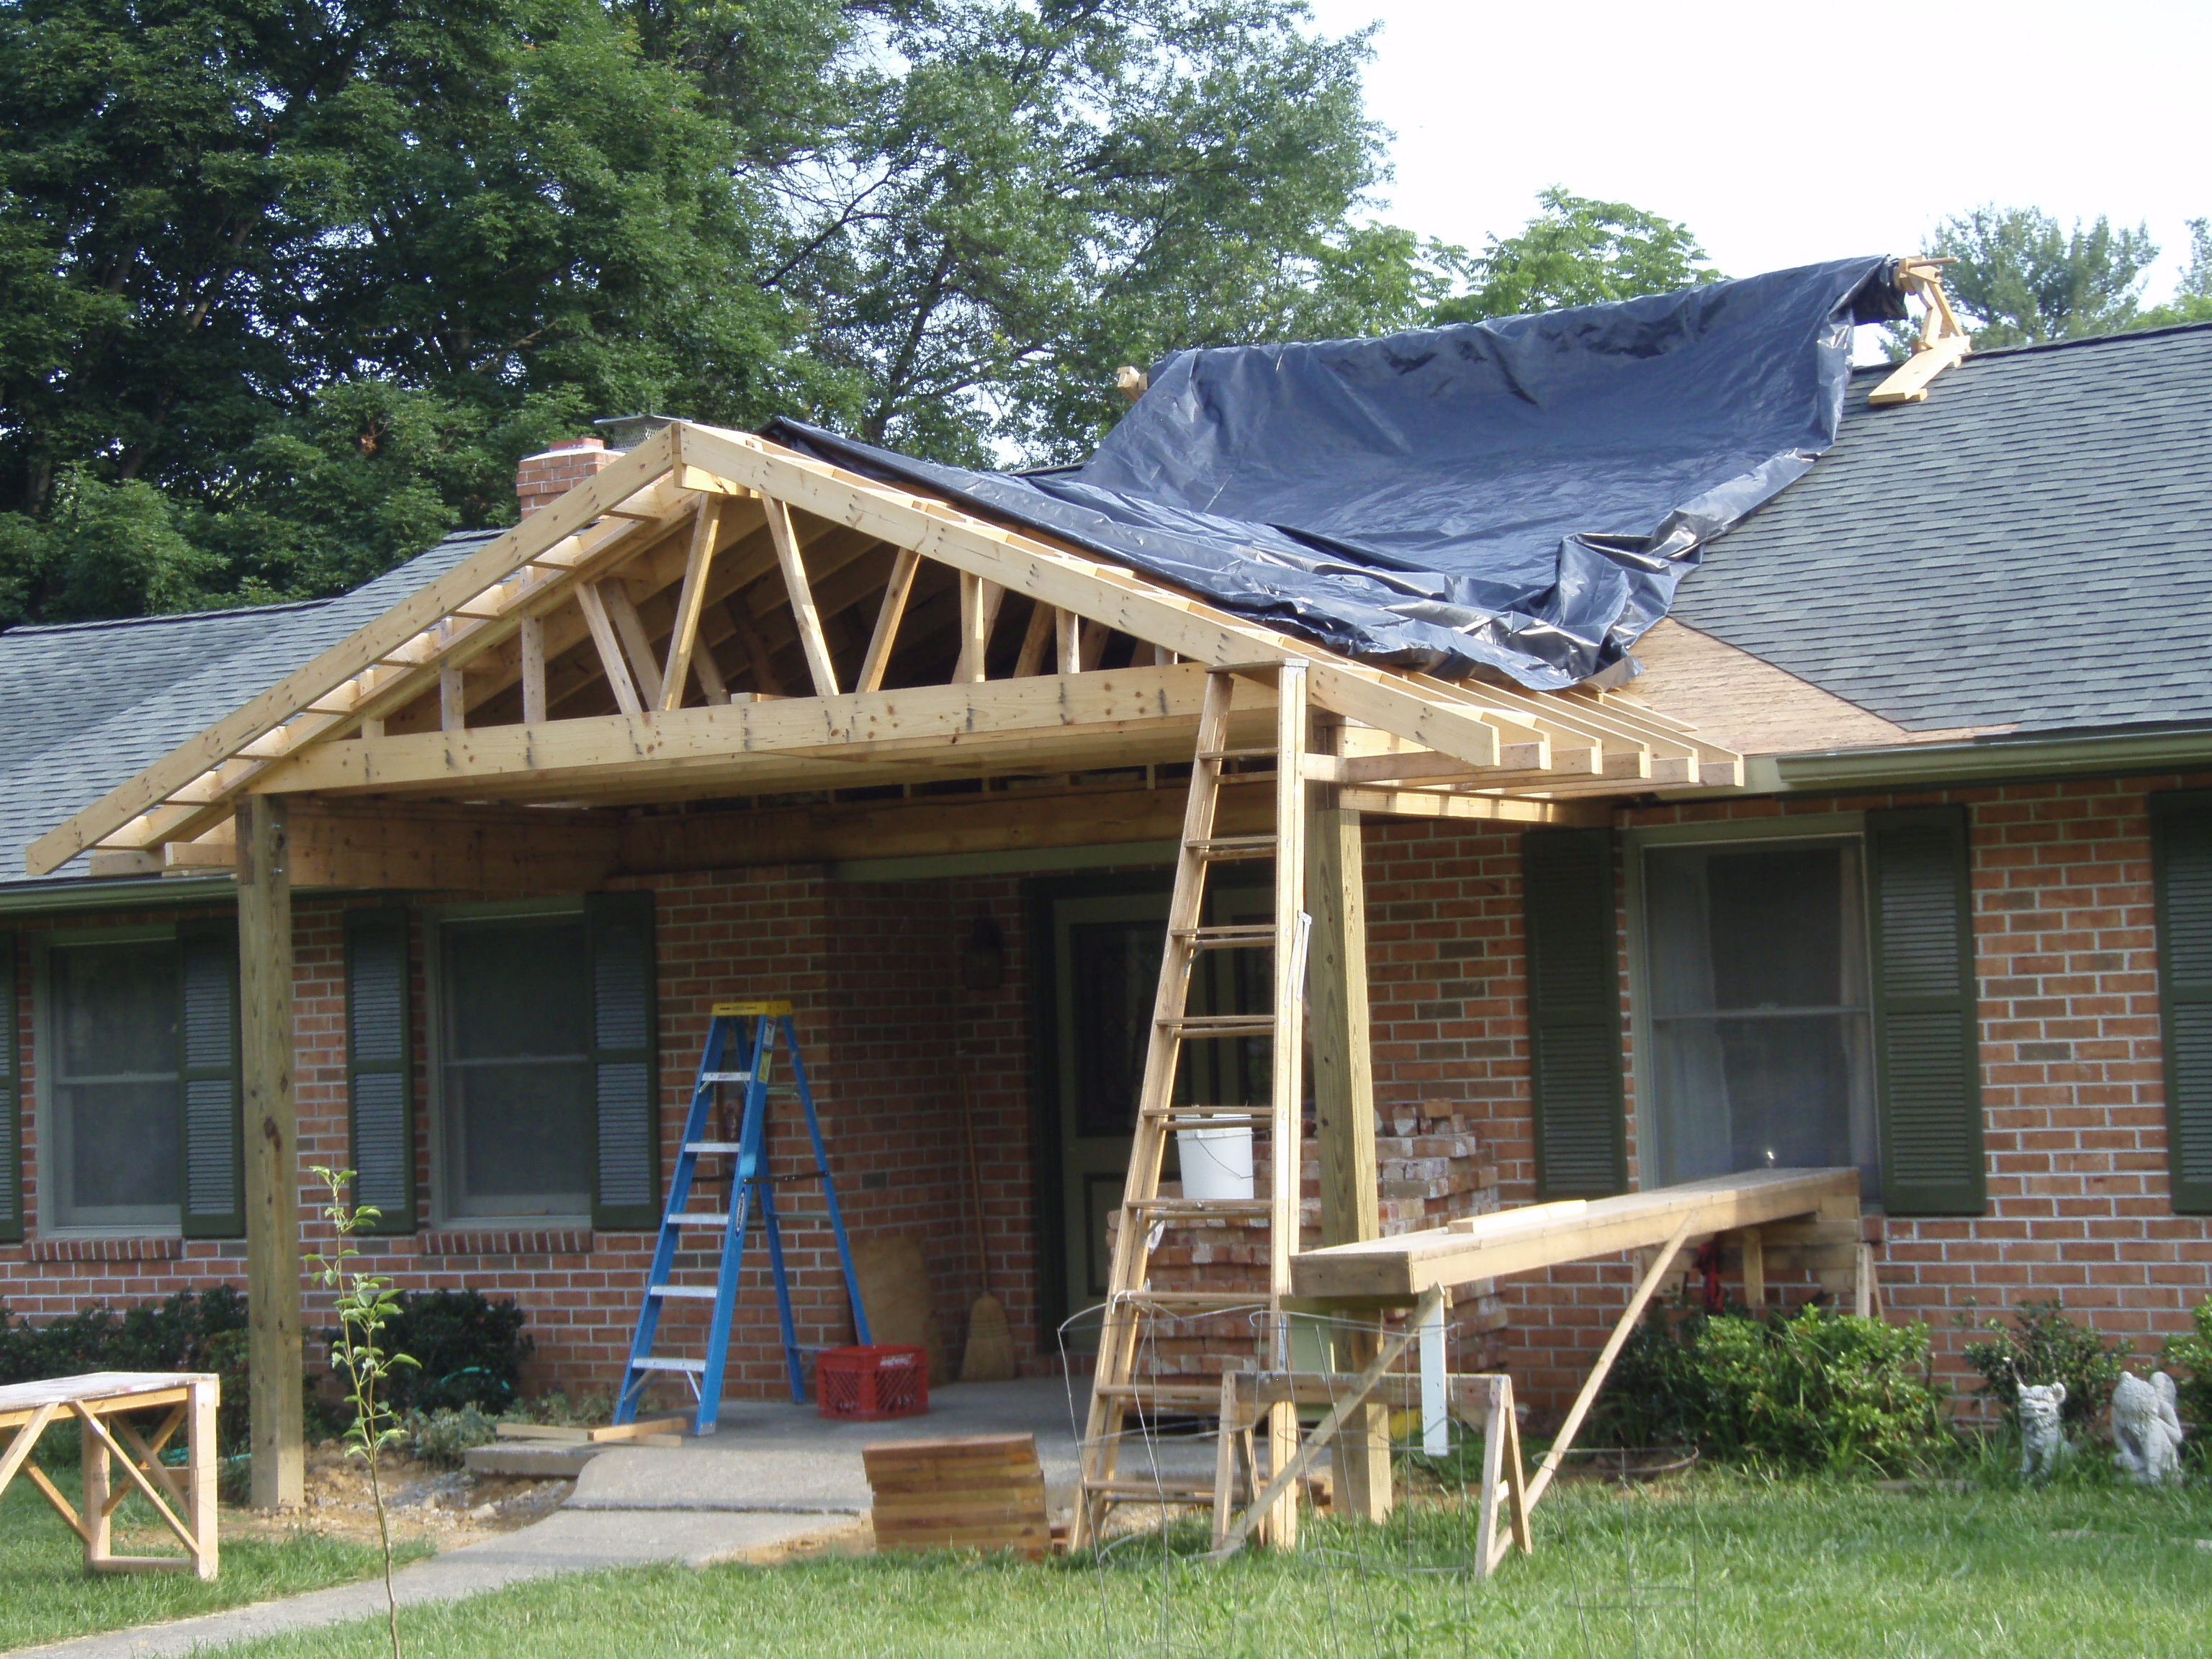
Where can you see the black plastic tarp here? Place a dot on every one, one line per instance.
(1520, 495)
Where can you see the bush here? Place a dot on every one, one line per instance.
(2046, 1346)
(1818, 1390)
(189, 1331)
(2190, 1358)
(439, 1438)
(467, 1352)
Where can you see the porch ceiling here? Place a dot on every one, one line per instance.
(714, 615)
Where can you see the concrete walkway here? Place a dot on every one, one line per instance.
(773, 1475)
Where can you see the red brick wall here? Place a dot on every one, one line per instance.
(542, 479)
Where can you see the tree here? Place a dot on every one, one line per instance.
(2021, 279)
(1043, 192)
(227, 228)
(1576, 252)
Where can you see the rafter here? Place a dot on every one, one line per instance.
(689, 602)
(789, 555)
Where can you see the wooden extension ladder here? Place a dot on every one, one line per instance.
(1118, 1390)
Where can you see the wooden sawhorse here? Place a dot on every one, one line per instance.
(102, 1402)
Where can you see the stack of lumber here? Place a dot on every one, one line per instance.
(646, 1431)
(982, 1493)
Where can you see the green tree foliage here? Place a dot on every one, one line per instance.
(2021, 278)
(1576, 252)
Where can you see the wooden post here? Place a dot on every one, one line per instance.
(1754, 1268)
(202, 1395)
(533, 671)
(1343, 1103)
(272, 1159)
(453, 698)
(93, 1508)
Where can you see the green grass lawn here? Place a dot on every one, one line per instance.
(1723, 1565)
(45, 1593)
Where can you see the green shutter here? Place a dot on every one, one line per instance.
(211, 1096)
(2181, 872)
(625, 1064)
(1574, 1013)
(11, 1114)
(380, 1066)
(1927, 1061)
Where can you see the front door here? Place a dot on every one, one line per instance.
(1101, 971)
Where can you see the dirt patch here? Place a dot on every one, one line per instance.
(448, 1507)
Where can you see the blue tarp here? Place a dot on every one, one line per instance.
(1520, 495)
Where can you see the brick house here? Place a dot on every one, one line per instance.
(1941, 919)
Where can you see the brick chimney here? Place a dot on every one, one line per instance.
(543, 478)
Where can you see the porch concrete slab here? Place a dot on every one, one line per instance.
(773, 1457)
(564, 1541)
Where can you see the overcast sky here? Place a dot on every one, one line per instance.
(1786, 134)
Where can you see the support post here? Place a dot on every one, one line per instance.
(1344, 1101)
(533, 671)
(1293, 923)
(1436, 1386)
(1754, 1269)
(273, 1160)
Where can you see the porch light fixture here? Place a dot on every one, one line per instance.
(983, 958)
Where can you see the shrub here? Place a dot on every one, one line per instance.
(189, 1331)
(469, 1351)
(2044, 1345)
(1817, 1390)
(439, 1438)
(2190, 1358)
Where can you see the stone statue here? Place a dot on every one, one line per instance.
(2146, 1429)
(2042, 1431)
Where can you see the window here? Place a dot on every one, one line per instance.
(137, 1068)
(515, 1014)
(1761, 1032)
(113, 1154)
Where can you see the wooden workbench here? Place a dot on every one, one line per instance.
(102, 1403)
(1423, 1269)
(1541, 1236)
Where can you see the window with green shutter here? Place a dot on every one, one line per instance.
(2181, 868)
(1575, 1088)
(1921, 951)
(11, 1114)
(547, 1062)
(380, 1066)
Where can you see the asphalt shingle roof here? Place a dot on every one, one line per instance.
(84, 706)
(2031, 546)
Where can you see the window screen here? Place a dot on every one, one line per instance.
(1762, 1043)
(514, 1054)
(115, 1123)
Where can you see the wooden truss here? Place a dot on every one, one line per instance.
(715, 616)
(1943, 340)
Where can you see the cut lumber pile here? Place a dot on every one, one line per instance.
(646, 1431)
(981, 1492)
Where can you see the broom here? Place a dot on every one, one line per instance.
(989, 1357)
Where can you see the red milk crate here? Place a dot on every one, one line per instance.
(870, 1384)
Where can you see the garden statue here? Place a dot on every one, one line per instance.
(2146, 1428)
(2044, 1435)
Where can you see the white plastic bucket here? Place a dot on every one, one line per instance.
(1216, 1163)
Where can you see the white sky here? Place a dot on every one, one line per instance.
(1784, 134)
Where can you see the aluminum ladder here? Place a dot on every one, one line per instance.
(752, 1201)
(1118, 1388)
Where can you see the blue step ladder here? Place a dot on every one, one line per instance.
(751, 1203)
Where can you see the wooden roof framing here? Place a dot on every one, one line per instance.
(716, 615)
